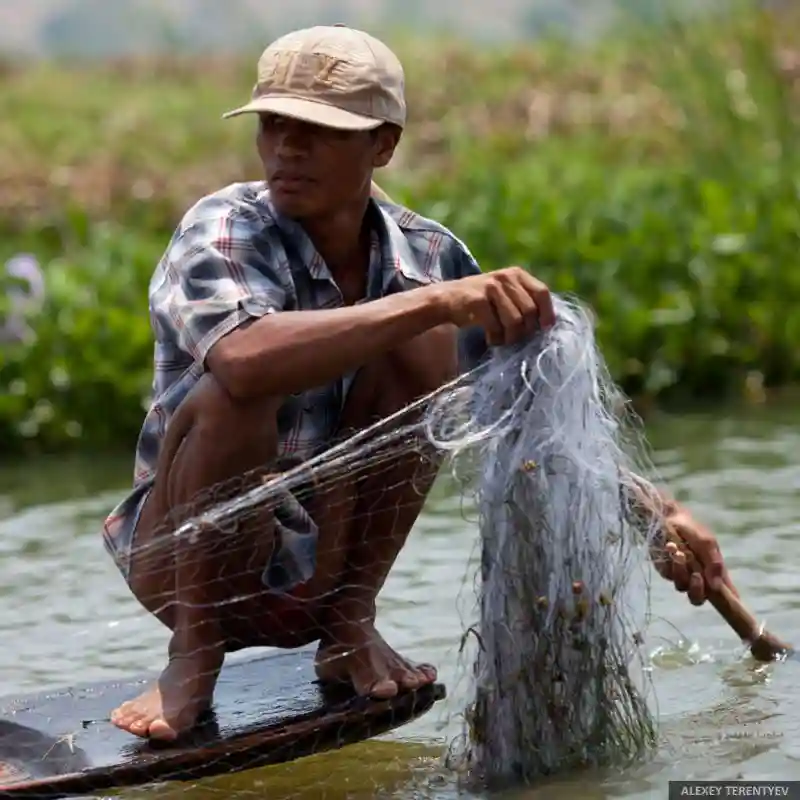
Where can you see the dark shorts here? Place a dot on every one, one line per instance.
(293, 561)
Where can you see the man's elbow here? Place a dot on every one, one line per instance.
(231, 370)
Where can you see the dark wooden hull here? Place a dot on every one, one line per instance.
(267, 710)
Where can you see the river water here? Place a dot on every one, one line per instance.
(66, 617)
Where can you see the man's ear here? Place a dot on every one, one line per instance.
(386, 140)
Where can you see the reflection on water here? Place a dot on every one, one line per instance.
(67, 617)
(361, 772)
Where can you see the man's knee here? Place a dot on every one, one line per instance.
(410, 371)
(211, 440)
(217, 412)
(423, 364)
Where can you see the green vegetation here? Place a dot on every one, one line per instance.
(656, 177)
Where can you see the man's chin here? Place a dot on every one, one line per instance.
(293, 199)
(292, 206)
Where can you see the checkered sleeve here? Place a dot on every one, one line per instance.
(219, 271)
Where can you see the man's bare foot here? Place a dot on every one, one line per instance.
(359, 655)
(171, 706)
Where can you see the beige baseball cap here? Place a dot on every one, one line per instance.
(332, 76)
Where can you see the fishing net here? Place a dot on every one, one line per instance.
(564, 524)
(544, 455)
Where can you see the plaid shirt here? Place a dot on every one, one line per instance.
(233, 258)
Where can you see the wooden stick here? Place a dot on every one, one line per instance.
(764, 646)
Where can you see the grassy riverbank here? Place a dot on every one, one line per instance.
(656, 176)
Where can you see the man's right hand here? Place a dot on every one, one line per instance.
(508, 304)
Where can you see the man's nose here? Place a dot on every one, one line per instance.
(294, 139)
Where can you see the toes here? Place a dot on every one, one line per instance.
(123, 712)
(373, 670)
(411, 677)
(139, 726)
(130, 718)
(123, 716)
(383, 689)
(160, 729)
(370, 681)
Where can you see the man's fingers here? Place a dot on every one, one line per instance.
(697, 589)
(526, 306)
(492, 327)
(544, 302)
(714, 572)
(663, 564)
(508, 315)
(665, 560)
(710, 558)
(515, 303)
(680, 577)
(680, 568)
(697, 564)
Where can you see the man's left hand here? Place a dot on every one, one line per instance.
(679, 564)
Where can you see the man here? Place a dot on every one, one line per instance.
(265, 351)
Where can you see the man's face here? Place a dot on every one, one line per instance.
(314, 171)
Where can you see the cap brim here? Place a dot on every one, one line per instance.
(308, 111)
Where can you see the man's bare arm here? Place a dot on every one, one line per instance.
(291, 351)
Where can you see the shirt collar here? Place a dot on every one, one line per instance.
(397, 258)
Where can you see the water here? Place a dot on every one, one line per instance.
(66, 616)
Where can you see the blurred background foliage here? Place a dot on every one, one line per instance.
(645, 161)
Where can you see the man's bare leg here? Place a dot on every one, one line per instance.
(186, 584)
(389, 500)
(351, 649)
(209, 592)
